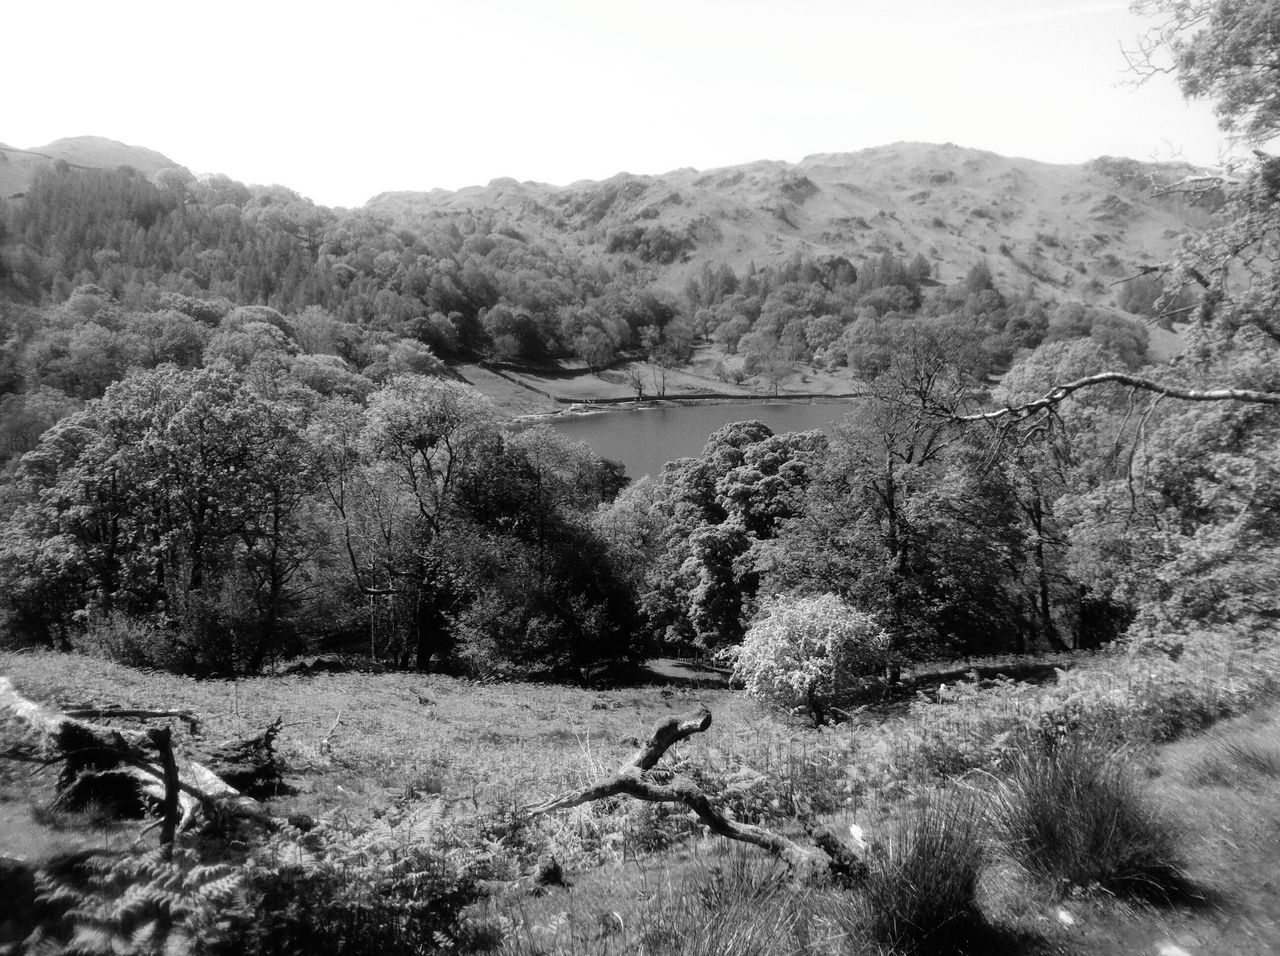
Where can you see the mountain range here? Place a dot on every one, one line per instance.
(1069, 231)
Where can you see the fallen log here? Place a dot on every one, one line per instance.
(84, 747)
(110, 713)
(641, 778)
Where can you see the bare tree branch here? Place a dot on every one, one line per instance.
(1058, 393)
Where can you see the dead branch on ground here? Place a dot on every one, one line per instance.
(640, 778)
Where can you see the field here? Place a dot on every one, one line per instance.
(413, 756)
(546, 390)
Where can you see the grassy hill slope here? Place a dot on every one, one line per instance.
(18, 167)
(1065, 229)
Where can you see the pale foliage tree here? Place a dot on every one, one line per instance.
(807, 651)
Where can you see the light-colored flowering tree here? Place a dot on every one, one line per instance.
(807, 651)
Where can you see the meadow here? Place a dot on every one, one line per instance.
(395, 763)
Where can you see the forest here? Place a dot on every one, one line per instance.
(234, 437)
(349, 496)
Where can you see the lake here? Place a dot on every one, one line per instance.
(644, 439)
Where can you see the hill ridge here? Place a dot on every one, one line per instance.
(19, 167)
(1068, 227)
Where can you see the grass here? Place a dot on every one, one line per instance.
(1251, 760)
(921, 896)
(1073, 813)
(425, 757)
(724, 902)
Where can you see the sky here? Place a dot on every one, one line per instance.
(343, 101)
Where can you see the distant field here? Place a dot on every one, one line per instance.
(525, 391)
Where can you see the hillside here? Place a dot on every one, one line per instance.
(1065, 229)
(18, 167)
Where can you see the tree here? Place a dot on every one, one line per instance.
(764, 357)
(179, 496)
(717, 508)
(907, 519)
(425, 430)
(392, 473)
(1084, 446)
(808, 652)
(472, 544)
(1222, 50)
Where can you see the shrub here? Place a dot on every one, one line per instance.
(134, 642)
(921, 894)
(808, 652)
(411, 904)
(1073, 814)
(360, 892)
(369, 898)
(136, 903)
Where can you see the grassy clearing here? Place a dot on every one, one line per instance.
(406, 760)
(571, 381)
(356, 739)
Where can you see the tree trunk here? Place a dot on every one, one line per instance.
(816, 710)
(1044, 607)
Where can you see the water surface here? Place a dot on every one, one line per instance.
(644, 439)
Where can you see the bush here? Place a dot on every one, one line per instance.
(134, 642)
(921, 894)
(809, 652)
(338, 891)
(411, 904)
(1073, 814)
(135, 903)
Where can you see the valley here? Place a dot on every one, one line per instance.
(869, 554)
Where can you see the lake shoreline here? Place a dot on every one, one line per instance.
(602, 406)
(644, 437)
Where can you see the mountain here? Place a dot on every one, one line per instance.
(18, 167)
(1068, 228)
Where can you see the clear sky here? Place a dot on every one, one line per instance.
(343, 101)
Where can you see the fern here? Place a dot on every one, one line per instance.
(140, 904)
(373, 890)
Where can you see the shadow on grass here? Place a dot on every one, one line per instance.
(678, 673)
(987, 939)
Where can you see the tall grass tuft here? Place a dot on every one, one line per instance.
(921, 895)
(738, 907)
(1072, 812)
(1251, 761)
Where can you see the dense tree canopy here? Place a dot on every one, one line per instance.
(230, 430)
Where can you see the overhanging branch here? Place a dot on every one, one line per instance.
(1059, 393)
